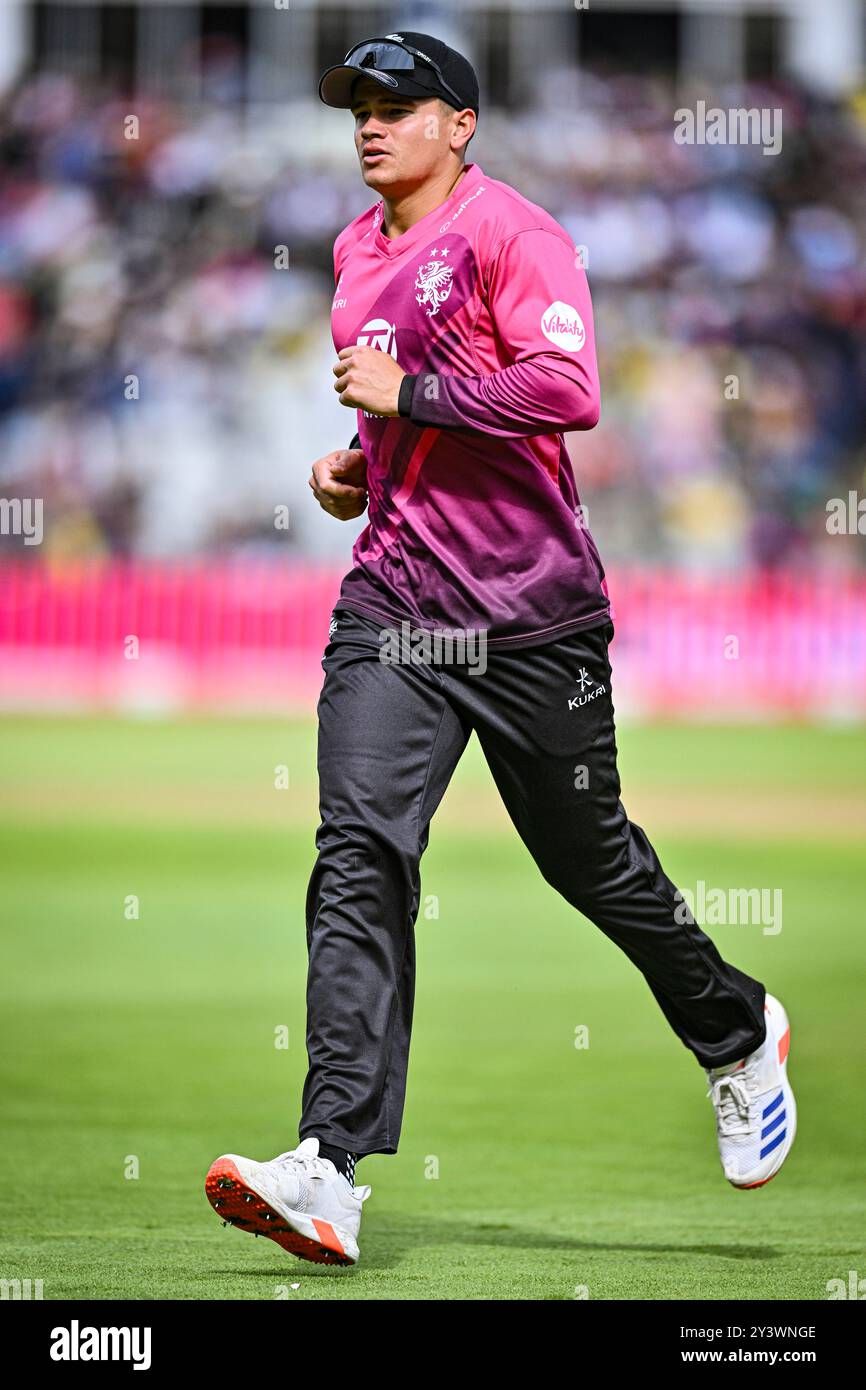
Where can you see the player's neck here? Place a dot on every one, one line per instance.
(402, 213)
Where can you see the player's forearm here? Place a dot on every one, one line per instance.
(543, 396)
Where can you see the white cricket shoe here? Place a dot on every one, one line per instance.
(756, 1117)
(297, 1199)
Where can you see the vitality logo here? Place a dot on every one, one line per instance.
(562, 324)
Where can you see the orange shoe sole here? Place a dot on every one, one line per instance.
(747, 1186)
(236, 1203)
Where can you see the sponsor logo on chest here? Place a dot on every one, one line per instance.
(381, 334)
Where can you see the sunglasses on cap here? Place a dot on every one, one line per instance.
(394, 57)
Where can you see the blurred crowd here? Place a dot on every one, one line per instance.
(165, 376)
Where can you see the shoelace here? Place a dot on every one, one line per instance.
(312, 1167)
(731, 1096)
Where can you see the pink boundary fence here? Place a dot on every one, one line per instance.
(248, 635)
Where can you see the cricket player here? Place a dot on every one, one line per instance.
(465, 343)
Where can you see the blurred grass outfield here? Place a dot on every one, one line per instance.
(558, 1168)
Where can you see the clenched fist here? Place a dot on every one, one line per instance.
(368, 379)
(339, 482)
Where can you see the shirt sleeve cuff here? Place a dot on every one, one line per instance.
(356, 442)
(404, 400)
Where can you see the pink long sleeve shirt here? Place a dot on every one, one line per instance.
(474, 516)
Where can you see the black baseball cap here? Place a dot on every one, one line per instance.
(407, 64)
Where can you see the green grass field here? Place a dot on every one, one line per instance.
(559, 1169)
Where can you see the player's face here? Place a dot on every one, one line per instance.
(400, 141)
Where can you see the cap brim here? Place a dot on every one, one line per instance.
(335, 87)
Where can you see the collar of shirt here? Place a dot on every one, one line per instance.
(390, 247)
